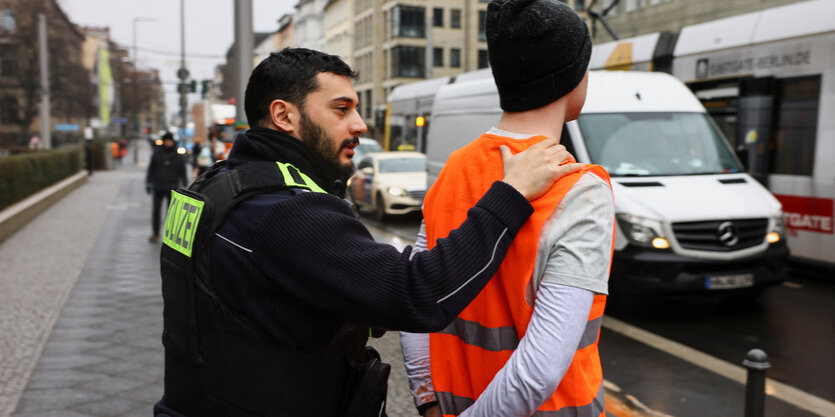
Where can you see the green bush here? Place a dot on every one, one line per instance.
(25, 174)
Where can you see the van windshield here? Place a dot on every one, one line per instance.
(656, 144)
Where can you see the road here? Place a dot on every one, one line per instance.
(681, 356)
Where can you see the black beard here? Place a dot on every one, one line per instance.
(314, 136)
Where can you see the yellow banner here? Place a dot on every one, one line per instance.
(105, 86)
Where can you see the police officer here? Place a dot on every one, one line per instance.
(271, 284)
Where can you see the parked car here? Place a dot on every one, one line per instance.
(390, 183)
(365, 147)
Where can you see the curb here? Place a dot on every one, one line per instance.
(14, 217)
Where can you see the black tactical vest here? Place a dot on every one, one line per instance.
(217, 362)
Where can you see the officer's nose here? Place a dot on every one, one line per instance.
(358, 127)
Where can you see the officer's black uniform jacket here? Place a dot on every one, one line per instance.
(298, 267)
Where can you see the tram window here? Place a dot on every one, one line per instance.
(793, 148)
(409, 131)
(395, 133)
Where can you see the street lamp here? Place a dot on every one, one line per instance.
(135, 102)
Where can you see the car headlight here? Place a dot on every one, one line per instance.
(181, 151)
(642, 231)
(778, 229)
(397, 192)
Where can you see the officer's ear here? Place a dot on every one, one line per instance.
(285, 116)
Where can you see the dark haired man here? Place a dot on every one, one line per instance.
(286, 281)
(527, 345)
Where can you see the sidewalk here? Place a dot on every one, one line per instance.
(87, 260)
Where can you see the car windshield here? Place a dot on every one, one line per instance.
(367, 148)
(648, 144)
(388, 166)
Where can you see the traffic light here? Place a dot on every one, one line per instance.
(206, 85)
(192, 86)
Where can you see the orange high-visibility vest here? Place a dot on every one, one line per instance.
(473, 348)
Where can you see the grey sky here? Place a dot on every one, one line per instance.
(209, 31)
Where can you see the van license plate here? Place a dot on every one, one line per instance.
(724, 282)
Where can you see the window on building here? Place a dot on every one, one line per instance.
(793, 150)
(483, 59)
(408, 61)
(408, 22)
(7, 21)
(8, 111)
(8, 61)
(438, 17)
(386, 34)
(455, 18)
(368, 115)
(455, 58)
(482, 20)
(579, 5)
(386, 65)
(438, 57)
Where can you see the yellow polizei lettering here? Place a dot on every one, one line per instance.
(181, 223)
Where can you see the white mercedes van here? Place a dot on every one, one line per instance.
(689, 219)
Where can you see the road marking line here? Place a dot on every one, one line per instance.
(787, 393)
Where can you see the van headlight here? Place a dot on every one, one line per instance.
(642, 231)
(777, 231)
(397, 192)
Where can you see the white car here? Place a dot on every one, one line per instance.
(366, 147)
(390, 183)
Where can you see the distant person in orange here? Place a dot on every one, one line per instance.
(528, 342)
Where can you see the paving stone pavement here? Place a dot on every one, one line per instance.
(103, 357)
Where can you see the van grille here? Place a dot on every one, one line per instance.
(722, 235)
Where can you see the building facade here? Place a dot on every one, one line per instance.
(339, 29)
(309, 22)
(71, 102)
(396, 42)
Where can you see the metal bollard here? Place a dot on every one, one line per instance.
(757, 363)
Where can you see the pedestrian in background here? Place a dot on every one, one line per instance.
(166, 172)
(535, 327)
(201, 157)
(271, 284)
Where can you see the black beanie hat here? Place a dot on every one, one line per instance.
(539, 51)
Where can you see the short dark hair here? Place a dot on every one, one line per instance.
(288, 75)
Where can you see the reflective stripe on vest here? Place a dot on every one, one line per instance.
(297, 179)
(456, 405)
(470, 351)
(505, 338)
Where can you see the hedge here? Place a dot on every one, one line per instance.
(25, 174)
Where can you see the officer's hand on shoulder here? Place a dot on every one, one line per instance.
(533, 171)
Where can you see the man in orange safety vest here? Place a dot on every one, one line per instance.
(527, 344)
